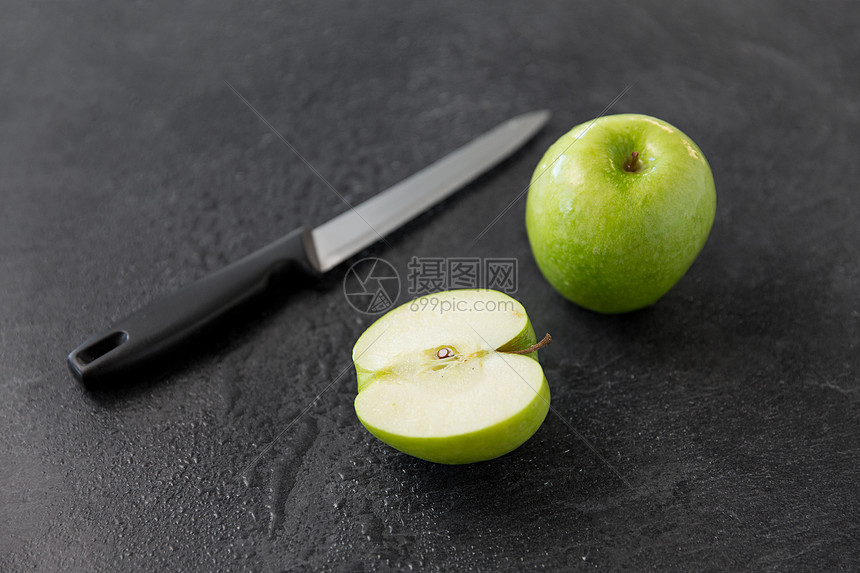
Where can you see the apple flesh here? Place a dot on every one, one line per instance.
(618, 209)
(438, 378)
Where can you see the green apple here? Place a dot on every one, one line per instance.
(618, 209)
(452, 377)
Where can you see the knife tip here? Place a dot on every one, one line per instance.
(537, 118)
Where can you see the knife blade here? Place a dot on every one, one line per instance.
(353, 230)
(148, 334)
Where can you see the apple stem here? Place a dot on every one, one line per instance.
(537, 346)
(632, 163)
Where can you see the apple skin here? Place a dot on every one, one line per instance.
(609, 239)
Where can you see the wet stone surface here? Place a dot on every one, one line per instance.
(719, 429)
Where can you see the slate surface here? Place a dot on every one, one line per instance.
(129, 168)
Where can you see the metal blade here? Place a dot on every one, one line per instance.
(338, 239)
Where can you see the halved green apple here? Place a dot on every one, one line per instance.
(444, 377)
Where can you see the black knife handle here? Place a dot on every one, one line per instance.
(149, 333)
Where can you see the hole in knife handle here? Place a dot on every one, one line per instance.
(101, 347)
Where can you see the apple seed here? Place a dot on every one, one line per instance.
(444, 352)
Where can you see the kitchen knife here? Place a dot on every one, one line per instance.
(146, 335)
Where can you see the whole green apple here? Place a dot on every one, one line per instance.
(452, 377)
(618, 209)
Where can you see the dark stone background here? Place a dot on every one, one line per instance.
(128, 168)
